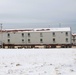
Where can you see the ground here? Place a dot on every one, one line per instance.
(38, 61)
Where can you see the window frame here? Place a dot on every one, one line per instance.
(66, 33)
(53, 33)
(22, 40)
(29, 41)
(8, 40)
(8, 35)
(41, 35)
(67, 40)
(41, 40)
(28, 34)
(22, 34)
(54, 40)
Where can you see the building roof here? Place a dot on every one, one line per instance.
(37, 29)
(74, 34)
(54, 29)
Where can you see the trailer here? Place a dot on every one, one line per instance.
(40, 37)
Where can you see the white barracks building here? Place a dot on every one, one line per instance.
(30, 38)
(74, 39)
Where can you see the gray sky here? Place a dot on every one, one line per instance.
(37, 11)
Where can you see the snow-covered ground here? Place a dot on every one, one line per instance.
(38, 61)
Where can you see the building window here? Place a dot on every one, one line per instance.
(66, 39)
(8, 40)
(8, 35)
(73, 40)
(66, 33)
(41, 35)
(53, 39)
(22, 34)
(53, 33)
(73, 37)
(28, 34)
(41, 40)
(28, 40)
(22, 40)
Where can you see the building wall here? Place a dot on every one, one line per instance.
(74, 39)
(14, 38)
(36, 37)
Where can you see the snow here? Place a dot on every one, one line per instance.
(38, 61)
(41, 29)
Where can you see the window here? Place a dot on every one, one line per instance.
(66, 39)
(53, 33)
(53, 39)
(22, 34)
(8, 40)
(73, 40)
(28, 34)
(66, 33)
(73, 37)
(41, 40)
(28, 40)
(41, 35)
(22, 40)
(8, 35)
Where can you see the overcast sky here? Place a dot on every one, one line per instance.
(37, 11)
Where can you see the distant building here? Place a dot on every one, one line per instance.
(74, 39)
(47, 37)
